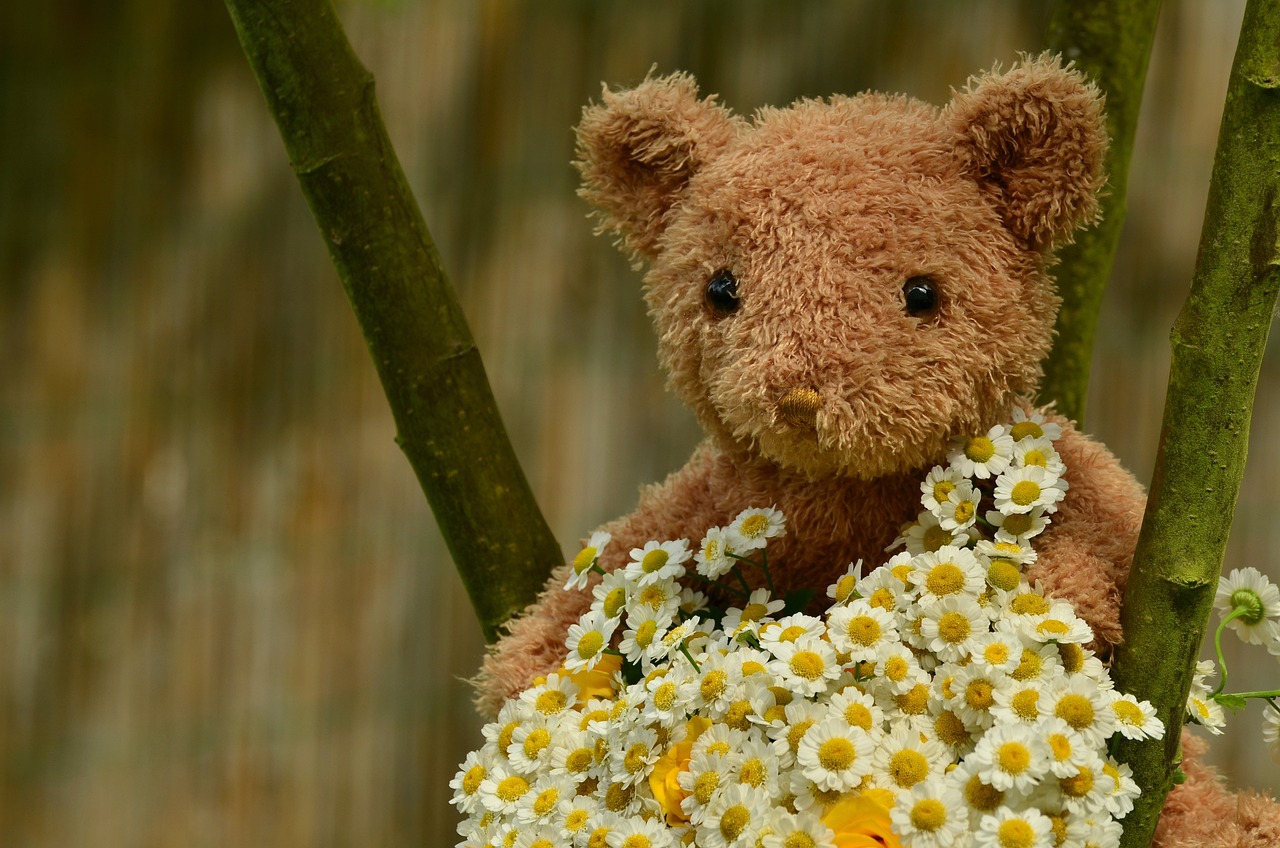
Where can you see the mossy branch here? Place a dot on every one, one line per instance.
(1217, 345)
(322, 99)
(1111, 43)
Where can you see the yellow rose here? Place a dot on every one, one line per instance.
(598, 682)
(862, 821)
(664, 780)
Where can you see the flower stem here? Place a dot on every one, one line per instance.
(1217, 647)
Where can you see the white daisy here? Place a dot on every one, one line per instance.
(502, 790)
(609, 596)
(631, 761)
(1060, 624)
(1007, 828)
(858, 709)
(530, 747)
(1257, 599)
(1018, 527)
(1101, 832)
(759, 607)
(692, 601)
(542, 802)
(902, 759)
(754, 527)
(927, 534)
(712, 559)
(668, 699)
(705, 778)
(1136, 719)
(642, 639)
(801, 715)
(1023, 702)
(1020, 490)
(803, 828)
(1271, 729)
(640, 833)
(976, 686)
(1068, 750)
(982, 456)
(1124, 788)
(658, 561)
(807, 666)
(573, 753)
(587, 640)
(980, 798)
(734, 818)
(660, 597)
(960, 510)
(845, 586)
(1033, 451)
(949, 571)
(587, 557)
(576, 817)
(951, 627)
(1034, 425)
(929, 815)
(1085, 791)
(881, 588)
(834, 755)
(998, 650)
(466, 784)
(1011, 757)
(1206, 712)
(756, 765)
(791, 629)
(1020, 554)
(938, 484)
(861, 630)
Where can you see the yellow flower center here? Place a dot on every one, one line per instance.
(472, 779)
(579, 760)
(807, 664)
(576, 820)
(583, 560)
(538, 739)
(907, 768)
(733, 821)
(637, 840)
(614, 602)
(645, 633)
(654, 560)
(594, 715)
(954, 627)
(836, 754)
(950, 728)
(858, 715)
(1025, 492)
(997, 653)
(1128, 713)
(512, 788)
(901, 572)
(1003, 574)
(753, 772)
(945, 578)
(718, 748)
(964, 511)
(978, 695)
(551, 702)
(754, 526)
(1029, 603)
(935, 537)
(617, 797)
(980, 449)
(1015, 833)
(713, 684)
(1023, 429)
(1075, 710)
(505, 735)
(928, 815)
(546, 801)
(589, 645)
(664, 697)
(792, 633)
(799, 839)
(1029, 666)
(1072, 657)
(1017, 525)
(915, 701)
(883, 599)
(541, 843)
(844, 588)
(781, 696)
(1035, 457)
(797, 732)
(1051, 628)
(754, 612)
(1079, 785)
(1060, 747)
(705, 786)
(738, 716)
(637, 758)
(653, 596)
(981, 796)
(942, 489)
(1026, 704)
(895, 668)
(599, 838)
(1013, 758)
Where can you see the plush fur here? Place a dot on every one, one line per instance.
(821, 394)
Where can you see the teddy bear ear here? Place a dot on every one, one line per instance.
(638, 148)
(1034, 138)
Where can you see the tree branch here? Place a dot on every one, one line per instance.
(1217, 343)
(447, 422)
(1111, 42)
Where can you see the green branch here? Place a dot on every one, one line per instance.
(447, 422)
(1111, 42)
(1217, 343)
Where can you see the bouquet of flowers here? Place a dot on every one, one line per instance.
(940, 701)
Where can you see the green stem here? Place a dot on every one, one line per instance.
(1217, 344)
(1266, 694)
(447, 422)
(1217, 647)
(1111, 42)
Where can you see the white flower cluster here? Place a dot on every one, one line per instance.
(940, 702)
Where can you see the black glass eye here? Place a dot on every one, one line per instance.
(722, 291)
(922, 297)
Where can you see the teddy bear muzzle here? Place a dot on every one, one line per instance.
(799, 407)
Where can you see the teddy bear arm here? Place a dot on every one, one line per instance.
(533, 644)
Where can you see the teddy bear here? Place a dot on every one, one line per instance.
(840, 288)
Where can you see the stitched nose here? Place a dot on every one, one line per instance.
(800, 407)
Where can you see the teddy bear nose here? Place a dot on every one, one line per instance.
(800, 407)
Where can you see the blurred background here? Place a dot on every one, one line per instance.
(226, 616)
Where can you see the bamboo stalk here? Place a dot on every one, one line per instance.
(1110, 42)
(1217, 346)
(447, 422)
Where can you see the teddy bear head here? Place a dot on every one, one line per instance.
(841, 286)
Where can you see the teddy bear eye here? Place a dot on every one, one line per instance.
(922, 297)
(722, 292)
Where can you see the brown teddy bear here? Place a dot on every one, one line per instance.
(840, 288)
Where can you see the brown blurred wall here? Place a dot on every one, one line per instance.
(226, 617)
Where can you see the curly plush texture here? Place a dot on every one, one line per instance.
(823, 211)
